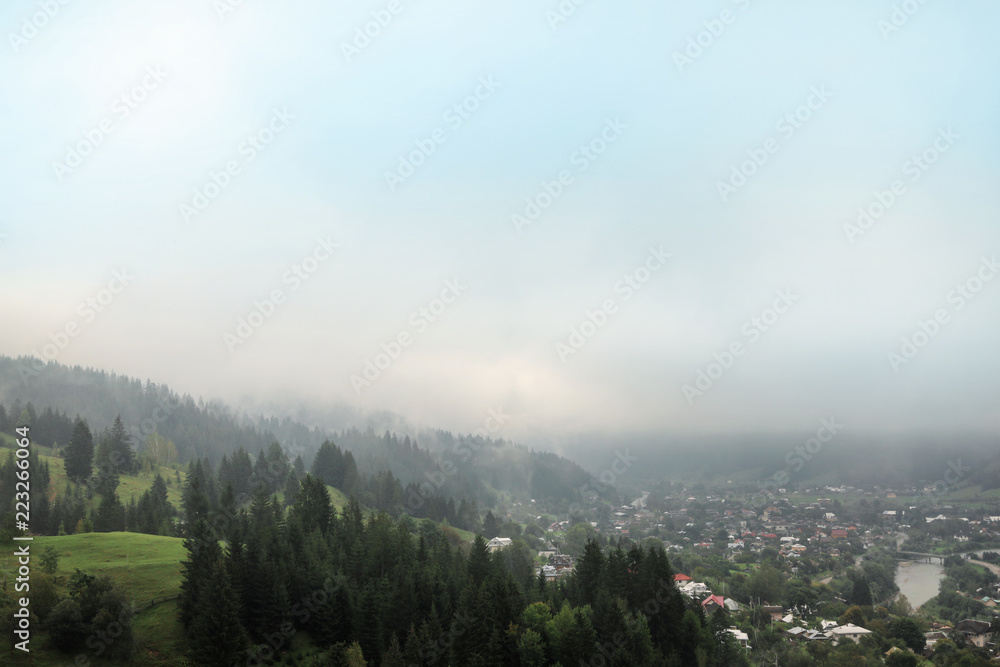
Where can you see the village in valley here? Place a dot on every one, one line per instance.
(806, 572)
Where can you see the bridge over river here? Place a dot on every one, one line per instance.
(914, 555)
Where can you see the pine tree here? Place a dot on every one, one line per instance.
(28, 417)
(328, 465)
(262, 477)
(215, 635)
(203, 553)
(479, 561)
(491, 526)
(196, 500)
(861, 593)
(312, 505)
(106, 481)
(412, 650)
(115, 450)
(159, 494)
(79, 452)
(589, 571)
(110, 515)
(332, 621)
(394, 654)
(291, 489)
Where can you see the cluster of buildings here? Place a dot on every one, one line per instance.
(699, 591)
(559, 565)
(827, 631)
(977, 633)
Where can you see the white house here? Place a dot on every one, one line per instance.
(849, 631)
(695, 590)
(498, 543)
(740, 636)
(977, 632)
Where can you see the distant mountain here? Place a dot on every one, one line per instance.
(461, 466)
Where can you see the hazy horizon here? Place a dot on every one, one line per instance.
(301, 140)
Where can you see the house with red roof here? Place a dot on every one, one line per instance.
(679, 578)
(713, 602)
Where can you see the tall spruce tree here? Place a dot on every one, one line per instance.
(215, 635)
(79, 453)
(491, 526)
(121, 454)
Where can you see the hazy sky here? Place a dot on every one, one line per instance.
(412, 150)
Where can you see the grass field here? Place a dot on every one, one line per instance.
(338, 498)
(159, 635)
(147, 566)
(130, 485)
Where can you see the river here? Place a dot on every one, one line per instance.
(918, 581)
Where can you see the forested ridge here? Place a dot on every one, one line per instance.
(270, 556)
(404, 592)
(472, 467)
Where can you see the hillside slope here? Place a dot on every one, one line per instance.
(478, 468)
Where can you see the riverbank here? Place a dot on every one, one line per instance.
(995, 569)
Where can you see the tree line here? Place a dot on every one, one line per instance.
(397, 591)
(474, 467)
